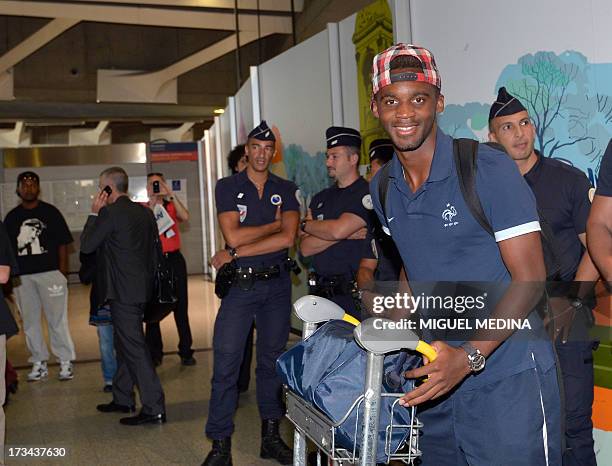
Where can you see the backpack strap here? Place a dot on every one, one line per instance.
(465, 152)
(383, 184)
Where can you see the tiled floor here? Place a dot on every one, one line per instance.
(62, 414)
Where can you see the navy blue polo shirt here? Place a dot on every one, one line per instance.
(562, 194)
(604, 179)
(439, 240)
(341, 258)
(238, 194)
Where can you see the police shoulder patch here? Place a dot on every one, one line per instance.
(367, 202)
(276, 199)
(243, 211)
(591, 194)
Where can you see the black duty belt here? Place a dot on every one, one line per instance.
(245, 277)
(330, 286)
(258, 273)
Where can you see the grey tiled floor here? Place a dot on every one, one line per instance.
(53, 413)
(62, 414)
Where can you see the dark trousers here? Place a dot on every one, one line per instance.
(244, 377)
(500, 423)
(576, 360)
(134, 365)
(269, 304)
(181, 318)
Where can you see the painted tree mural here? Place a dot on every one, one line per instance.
(568, 99)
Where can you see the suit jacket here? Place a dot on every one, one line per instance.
(125, 236)
(90, 275)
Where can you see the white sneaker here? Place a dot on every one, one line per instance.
(65, 372)
(39, 371)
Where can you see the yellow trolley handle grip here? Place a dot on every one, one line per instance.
(350, 319)
(426, 350)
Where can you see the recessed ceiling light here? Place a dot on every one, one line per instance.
(219, 111)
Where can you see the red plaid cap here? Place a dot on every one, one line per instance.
(381, 73)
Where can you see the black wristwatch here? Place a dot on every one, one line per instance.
(233, 253)
(303, 225)
(476, 360)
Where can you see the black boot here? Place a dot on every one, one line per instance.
(221, 453)
(272, 445)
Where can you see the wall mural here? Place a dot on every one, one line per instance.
(373, 33)
(569, 102)
(307, 171)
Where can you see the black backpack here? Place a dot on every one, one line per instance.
(465, 152)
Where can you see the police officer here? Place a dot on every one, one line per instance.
(237, 162)
(333, 233)
(258, 213)
(599, 227)
(380, 264)
(562, 195)
(381, 151)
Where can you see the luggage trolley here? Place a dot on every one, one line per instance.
(313, 424)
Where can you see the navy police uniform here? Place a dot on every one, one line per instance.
(604, 180)
(517, 394)
(562, 196)
(336, 266)
(379, 245)
(266, 300)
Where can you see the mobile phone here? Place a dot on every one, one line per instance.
(156, 186)
(108, 190)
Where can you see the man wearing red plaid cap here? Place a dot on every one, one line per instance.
(490, 398)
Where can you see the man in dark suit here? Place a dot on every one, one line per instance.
(124, 235)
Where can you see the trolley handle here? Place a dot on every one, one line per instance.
(313, 309)
(381, 336)
(426, 350)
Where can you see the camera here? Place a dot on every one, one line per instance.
(156, 186)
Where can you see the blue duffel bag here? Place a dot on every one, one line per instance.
(328, 370)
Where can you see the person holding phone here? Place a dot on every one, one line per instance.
(162, 200)
(123, 234)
